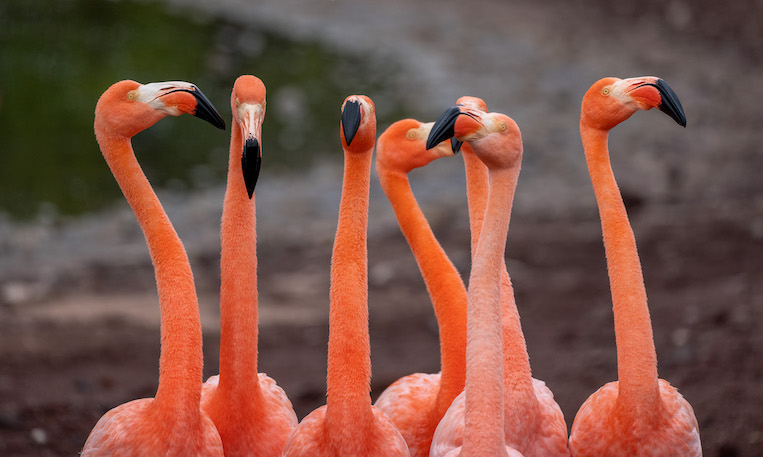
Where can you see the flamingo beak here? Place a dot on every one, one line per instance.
(444, 128)
(159, 96)
(251, 157)
(351, 114)
(670, 104)
(455, 145)
(206, 111)
(668, 100)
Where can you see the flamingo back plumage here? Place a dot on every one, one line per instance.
(404, 401)
(312, 438)
(129, 430)
(547, 439)
(598, 430)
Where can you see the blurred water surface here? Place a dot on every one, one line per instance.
(59, 56)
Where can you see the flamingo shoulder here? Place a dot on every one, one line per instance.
(449, 434)
(409, 402)
(597, 430)
(128, 430)
(549, 439)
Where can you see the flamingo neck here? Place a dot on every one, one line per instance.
(180, 363)
(348, 402)
(636, 356)
(238, 285)
(476, 192)
(517, 376)
(484, 417)
(444, 284)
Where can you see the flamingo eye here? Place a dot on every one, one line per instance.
(411, 134)
(238, 103)
(606, 90)
(503, 126)
(132, 95)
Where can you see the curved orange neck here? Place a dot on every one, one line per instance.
(180, 363)
(238, 287)
(348, 402)
(517, 374)
(636, 357)
(444, 284)
(484, 417)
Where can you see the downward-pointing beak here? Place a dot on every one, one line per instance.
(204, 108)
(251, 160)
(251, 116)
(160, 97)
(350, 120)
(668, 100)
(670, 104)
(444, 128)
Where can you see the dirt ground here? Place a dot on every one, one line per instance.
(87, 339)
(61, 374)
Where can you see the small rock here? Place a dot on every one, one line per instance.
(39, 436)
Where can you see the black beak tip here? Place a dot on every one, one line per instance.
(206, 111)
(444, 127)
(251, 160)
(350, 120)
(455, 145)
(670, 104)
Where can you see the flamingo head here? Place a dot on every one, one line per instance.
(494, 137)
(402, 147)
(358, 123)
(128, 107)
(248, 106)
(612, 100)
(474, 103)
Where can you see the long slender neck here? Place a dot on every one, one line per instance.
(348, 402)
(444, 284)
(180, 363)
(484, 430)
(636, 357)
(517, 376)
(238, 291)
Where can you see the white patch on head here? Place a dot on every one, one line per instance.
(151, 95)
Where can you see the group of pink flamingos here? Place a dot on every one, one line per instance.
(484, 402)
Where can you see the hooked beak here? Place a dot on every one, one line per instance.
(159, 96)
(445, 127)
(669, 103)
(350, 120)
(251, 116)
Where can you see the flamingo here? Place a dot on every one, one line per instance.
(533, 422)
(417, 402)
(348, 424)
(477, 428)
(252, 413)
(171, 423)
(638, 415)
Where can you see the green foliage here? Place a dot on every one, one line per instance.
(58, 56)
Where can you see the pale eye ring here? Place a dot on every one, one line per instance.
(503, 126)
(131, 95)
(606, 90)
(411, 134)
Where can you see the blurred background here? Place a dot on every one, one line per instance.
(78, 307)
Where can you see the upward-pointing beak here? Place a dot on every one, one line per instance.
(251, 116)
(350, 120)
